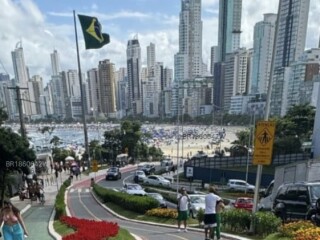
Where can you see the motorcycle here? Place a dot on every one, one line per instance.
(315, 218)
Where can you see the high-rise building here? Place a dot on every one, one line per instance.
(300, 84)
(6, 95)
(55, 63)
(122, 91)
(57, 87)
(134, 80)
(213, 58)
(236, 76)
(107, 87)
(229, 27)
(290, 43)
(263, 41)
(151, 57)
(188, 61)
(94, 93)
(35, 90)
(21, 77)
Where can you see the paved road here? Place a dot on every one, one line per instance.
(83, 205)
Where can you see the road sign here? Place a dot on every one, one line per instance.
(189, 173)
(263, 143)
(94, 165)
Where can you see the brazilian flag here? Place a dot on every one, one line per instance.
(92, 34)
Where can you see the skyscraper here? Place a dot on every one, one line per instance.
(188, 61)
(290, 43)
(263, 41)
(151, 57)
(94, 93)
(55, 63)
(107, 87)
(134, 80)
(213, 58)
(20, 70)
(21, 78)
(229, 27)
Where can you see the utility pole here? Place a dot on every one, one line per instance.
(22, 127)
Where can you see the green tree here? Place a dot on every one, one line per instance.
(15, 155)
(3, 116)
(243, 138)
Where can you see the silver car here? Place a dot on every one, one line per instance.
(197, 201)
(239, 185)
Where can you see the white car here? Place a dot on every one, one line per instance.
(133, 189)
(239, 185)
(140, 174)
(197, 201)
(157, 180)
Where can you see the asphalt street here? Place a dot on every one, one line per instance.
(82, 204)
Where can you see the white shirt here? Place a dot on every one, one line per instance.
(210, 203)
(183, 205)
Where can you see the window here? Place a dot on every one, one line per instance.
(282, 192)
(292, 193)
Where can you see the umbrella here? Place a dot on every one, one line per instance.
(69, 158)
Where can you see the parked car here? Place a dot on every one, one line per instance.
(133, 189)
(197, 201)
(244, 203)
(156, 180)
(149, 169)
(296, 200)
(239, 185)
(159, 198)
(140, 175)
(113, 173)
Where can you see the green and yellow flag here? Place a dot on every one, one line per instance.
(92, 34)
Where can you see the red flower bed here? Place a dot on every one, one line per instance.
(89, 229)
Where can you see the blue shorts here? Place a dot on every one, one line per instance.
(13, 232)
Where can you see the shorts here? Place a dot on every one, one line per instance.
(210, 220)
(182, 215)
(13, 232)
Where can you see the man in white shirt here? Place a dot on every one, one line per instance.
(183, 202)
(210, 221)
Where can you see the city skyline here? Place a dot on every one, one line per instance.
(44, 26)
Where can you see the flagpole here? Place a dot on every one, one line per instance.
(82, 94)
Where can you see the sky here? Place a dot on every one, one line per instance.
(45, 25)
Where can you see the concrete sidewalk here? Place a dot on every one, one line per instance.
(37, 216)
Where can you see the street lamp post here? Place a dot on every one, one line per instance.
(251, 132)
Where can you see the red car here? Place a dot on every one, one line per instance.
(244, 203)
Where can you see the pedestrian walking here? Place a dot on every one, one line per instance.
(210, 221)
(13, 224)
(183, 209)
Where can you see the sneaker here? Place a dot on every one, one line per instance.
(179, 230)
(185, 230)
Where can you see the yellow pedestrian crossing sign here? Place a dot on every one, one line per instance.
(263, 144)
(94, 165)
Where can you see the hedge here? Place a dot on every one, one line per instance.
(139, 204)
